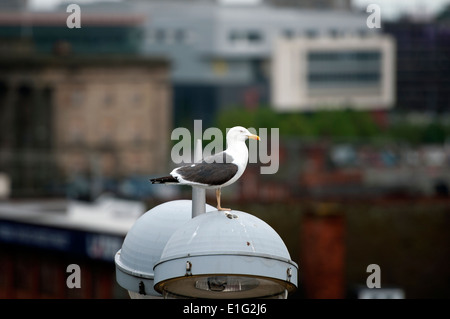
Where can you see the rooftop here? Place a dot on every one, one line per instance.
(80, 60)
(106, 215)
(59, 19)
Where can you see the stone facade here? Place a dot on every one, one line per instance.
(107, 116)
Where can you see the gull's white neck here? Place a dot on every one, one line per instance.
(239, 151)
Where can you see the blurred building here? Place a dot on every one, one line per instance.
(330, 72)
(321, 4)
(100, 33)
(13, 5)
(40, 239)
(310, 4)
(221, 51)
(80, 104)
(423, 67)
(66, 116)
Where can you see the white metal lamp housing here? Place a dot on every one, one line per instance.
(144, 243)
(225, 255)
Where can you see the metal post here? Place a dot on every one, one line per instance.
(198, 194)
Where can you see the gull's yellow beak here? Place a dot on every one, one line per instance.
(254, 137)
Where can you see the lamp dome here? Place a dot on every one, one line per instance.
(144, 243)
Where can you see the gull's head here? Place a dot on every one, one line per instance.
(239, 133)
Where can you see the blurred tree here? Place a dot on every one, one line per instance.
(405, 131)
(333, 124)
(336, 123)
(434, 133)
(296, 124)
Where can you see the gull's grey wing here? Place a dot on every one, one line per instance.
(211, 174)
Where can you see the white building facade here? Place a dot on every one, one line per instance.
(333, 72)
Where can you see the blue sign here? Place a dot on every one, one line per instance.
(93, 245)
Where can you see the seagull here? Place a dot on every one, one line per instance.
(215, 171)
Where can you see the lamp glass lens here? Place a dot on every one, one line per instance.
(226, 283)
(223, 286)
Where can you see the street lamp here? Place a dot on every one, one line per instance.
(188, 249)
(232, 255)
(144, 243)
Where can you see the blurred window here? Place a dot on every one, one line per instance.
(169, 36)
(108, 99)
(75, 130)
(150, 35)
(245, 37)
(288, 33)
(349, 77)
(344, 55)
(254, 36)
(359, 68)
(236, 36)
(310, 33)
(136, 99)
(334, 33)
(160, 35)
(76, 98)
(180, 36)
